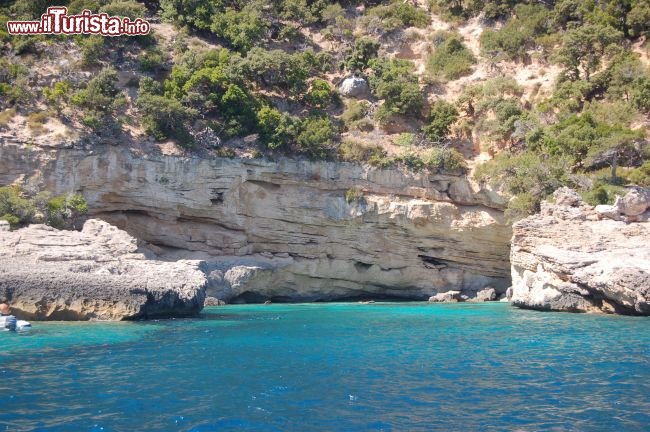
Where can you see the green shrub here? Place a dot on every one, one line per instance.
(641, 175)
(15, 208)
(583, 49)
(57, 93)
(596, 196)
(319, 94)
(124, 8)
(444, 159)
(441, 116)
(278, 69)
(364, 50)
(92, 49)
(355, 151)
(276, 129)
(241, 29)
(518, 35)
(393, 80)
(315, 137)
(165, 117)
(64, 209)
(355, 111)
(528, 176)
(450, 60)
(406, 139)
(522, 205)
(411, 160)
(152, 60)
(100, 92)
(398, 15)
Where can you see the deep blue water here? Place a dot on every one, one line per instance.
(332, 367)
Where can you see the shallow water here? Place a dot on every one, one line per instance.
(332, 367)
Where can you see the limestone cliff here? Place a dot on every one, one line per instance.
(283, 229)
(97, 273)
(575, 258)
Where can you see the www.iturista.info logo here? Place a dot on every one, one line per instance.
(57, 21)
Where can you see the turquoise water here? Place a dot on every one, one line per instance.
(332, 367)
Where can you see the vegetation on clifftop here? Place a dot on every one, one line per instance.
(550, 93)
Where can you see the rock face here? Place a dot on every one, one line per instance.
(284, 230)
(567, 259)
(98, 273)
(356, 87)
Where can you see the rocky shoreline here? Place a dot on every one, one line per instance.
(576, 258)
(98, 273)
(249, 230)
(288, 230)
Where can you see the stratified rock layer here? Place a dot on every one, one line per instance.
(567, 259)
(97, 273)
(283, 230)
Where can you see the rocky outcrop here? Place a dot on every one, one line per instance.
(283, 230)
(446, 297)
(574, 258)
(97, 273)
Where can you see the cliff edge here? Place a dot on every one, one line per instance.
(573, 257)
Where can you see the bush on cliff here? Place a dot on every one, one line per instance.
(165, 117)
(451, 59)
(394, 81)
(14, 207)
(20, 208)
(528, 176)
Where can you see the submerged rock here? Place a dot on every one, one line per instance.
(98, 273)
(566, 263)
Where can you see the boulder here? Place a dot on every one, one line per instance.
(98, 273)
(581, 265)
(355, 87)
(565, 196)
(4, 225)
(634, 203)
(446, 297)
(608, 211)
(212, 301)
(486, 294)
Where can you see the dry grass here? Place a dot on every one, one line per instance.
(6, 116)
(36, 121)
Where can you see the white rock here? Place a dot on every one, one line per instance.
(581, 266)
(356, 87)
(97, 273)
(635, 202)
(608, 211)
(446, 297)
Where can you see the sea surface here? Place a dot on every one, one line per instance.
(332, 367)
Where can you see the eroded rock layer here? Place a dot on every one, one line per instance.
(289, 230)
(577, 259)
(97, 273)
